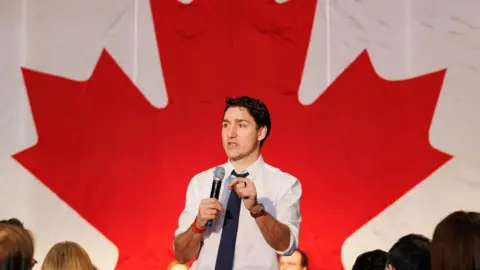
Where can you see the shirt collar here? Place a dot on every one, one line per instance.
(253, 170)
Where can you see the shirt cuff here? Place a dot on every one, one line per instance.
(293, 243)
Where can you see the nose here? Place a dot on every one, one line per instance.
(232, 131)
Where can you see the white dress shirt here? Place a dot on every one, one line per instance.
(279, 192)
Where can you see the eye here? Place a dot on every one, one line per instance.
(243, 125)
(224, 125)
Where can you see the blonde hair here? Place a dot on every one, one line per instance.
(177, 266)
(67, 256)
(16, 247)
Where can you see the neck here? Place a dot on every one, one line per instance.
(245, 162)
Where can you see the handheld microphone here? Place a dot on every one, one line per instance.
(218, 175)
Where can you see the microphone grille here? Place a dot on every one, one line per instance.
(219, 173)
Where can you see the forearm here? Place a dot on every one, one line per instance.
(275, 233)
(187, 245)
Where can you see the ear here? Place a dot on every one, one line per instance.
(262, 132)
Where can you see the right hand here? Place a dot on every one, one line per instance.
(208, 210)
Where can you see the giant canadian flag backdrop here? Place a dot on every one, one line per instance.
(108, 108)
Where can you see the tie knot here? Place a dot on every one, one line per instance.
(243, 175)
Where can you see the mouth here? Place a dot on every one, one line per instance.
(232, 145)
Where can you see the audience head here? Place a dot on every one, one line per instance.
(455, 245)
(456, 242)
(177, 266)
(16, 247)
(297, 261)
(67, 256)
(410, 252)
(12, 221)
(371, 260)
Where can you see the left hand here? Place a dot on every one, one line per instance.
(246, 190)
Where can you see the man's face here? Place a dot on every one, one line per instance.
(293, 262)
(240, 135)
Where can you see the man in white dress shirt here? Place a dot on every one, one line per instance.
(257, 215)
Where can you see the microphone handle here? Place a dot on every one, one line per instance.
(214, 193)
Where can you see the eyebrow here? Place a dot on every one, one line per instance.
(236, 120)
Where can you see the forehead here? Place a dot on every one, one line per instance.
(237, 113)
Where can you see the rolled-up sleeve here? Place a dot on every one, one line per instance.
(288, 213)
(190, 211)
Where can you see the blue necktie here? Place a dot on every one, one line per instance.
(226, 249)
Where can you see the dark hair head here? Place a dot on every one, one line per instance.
(16, 247)
(410, 252)
(12, 221)
(304, 260)
(371, 260)
(256, 108)
(456, 242)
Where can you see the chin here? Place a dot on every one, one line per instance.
(234, 156)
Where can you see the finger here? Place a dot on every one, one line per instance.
(210, 212)
(209, 201)
(241, 190)
(209, 217)
(241, 184)
(205, 203)
(219, 207)
(243, 193)
(247, 181)
(245, 189)
(233, 183)
(213, 205)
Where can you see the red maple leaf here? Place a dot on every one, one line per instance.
(124, 165)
